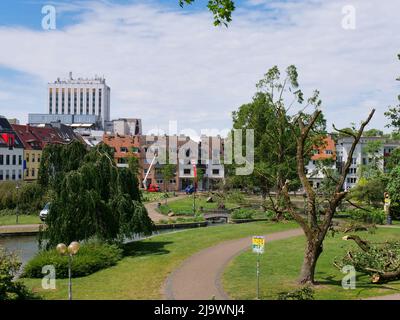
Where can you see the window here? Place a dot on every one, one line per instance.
(215, 171)
(123, 149)
(33, 157)
(69, 100)
(13, 175)
(8, 160)
(135, 149)
(122, 160)
(38, 158)
(351, 180)
(20, 160)
(94, 102)
(81, 101)
(328, 152)
(186, 171)
(1, 175)
(100, 101)
(7, 175)
(172, 181)
(27, 157)
(19, 175)
(50, 100)
(33, 172)
(75, 100)
(354, 161)
(87, 101)
(62, 100)
(159, 181)
(57, 101)
(14, 159)
(1, 159)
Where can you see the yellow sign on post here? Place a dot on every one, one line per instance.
(258, 244)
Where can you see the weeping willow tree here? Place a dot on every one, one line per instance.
(91, 197)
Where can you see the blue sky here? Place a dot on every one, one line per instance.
(167, 63)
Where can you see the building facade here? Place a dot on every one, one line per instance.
(76, 102)
(360, 157)
(11, 153)
(318, 162)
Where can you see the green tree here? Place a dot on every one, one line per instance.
(373, 133)
(95, 199)
(370, 191)
(393, 160)
(221, 10)
(373, 153)
(9, 288)
(393, 114)
(274, 142)
(167, 172)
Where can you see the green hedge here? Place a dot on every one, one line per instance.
(90, 258)
(244, 213)
(373, 215)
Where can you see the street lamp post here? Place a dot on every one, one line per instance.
(72, 250)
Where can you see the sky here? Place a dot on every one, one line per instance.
(164, 63)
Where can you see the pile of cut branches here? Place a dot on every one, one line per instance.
(381, 261)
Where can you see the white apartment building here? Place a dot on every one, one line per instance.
(80, 97)
(11, 153)
(359, 157)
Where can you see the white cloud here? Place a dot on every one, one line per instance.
(165, 65)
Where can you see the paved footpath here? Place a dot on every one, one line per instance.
(152, 206)
(198, 278)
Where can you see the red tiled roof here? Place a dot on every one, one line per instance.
(329, 144)
(36, 135)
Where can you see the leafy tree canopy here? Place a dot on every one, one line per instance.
(93, 198)
(221, 10)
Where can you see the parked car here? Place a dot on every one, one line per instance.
(189, 189)
(45, 212)
(154, 188)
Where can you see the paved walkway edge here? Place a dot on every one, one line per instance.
(210, 285)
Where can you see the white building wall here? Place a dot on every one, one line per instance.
(82, 88)
(9, 169)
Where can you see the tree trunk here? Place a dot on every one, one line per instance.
(312, 252)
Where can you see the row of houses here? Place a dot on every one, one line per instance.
(337, 150)
(21, 149)
(180, 151)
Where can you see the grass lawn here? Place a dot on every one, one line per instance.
(154, 196)
(185, 205)
(141, 274)
(280, 267)
(22, 219)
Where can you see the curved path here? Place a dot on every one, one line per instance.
(152, 208)
(198, 278)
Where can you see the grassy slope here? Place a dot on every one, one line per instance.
(280, 267)
(141, 274)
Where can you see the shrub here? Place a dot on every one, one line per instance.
(304, 293)
(373, 215)
(91, 257)
(243, 213)
(10, 289)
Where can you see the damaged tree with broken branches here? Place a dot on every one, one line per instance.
(317, 221)
(380, 261)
